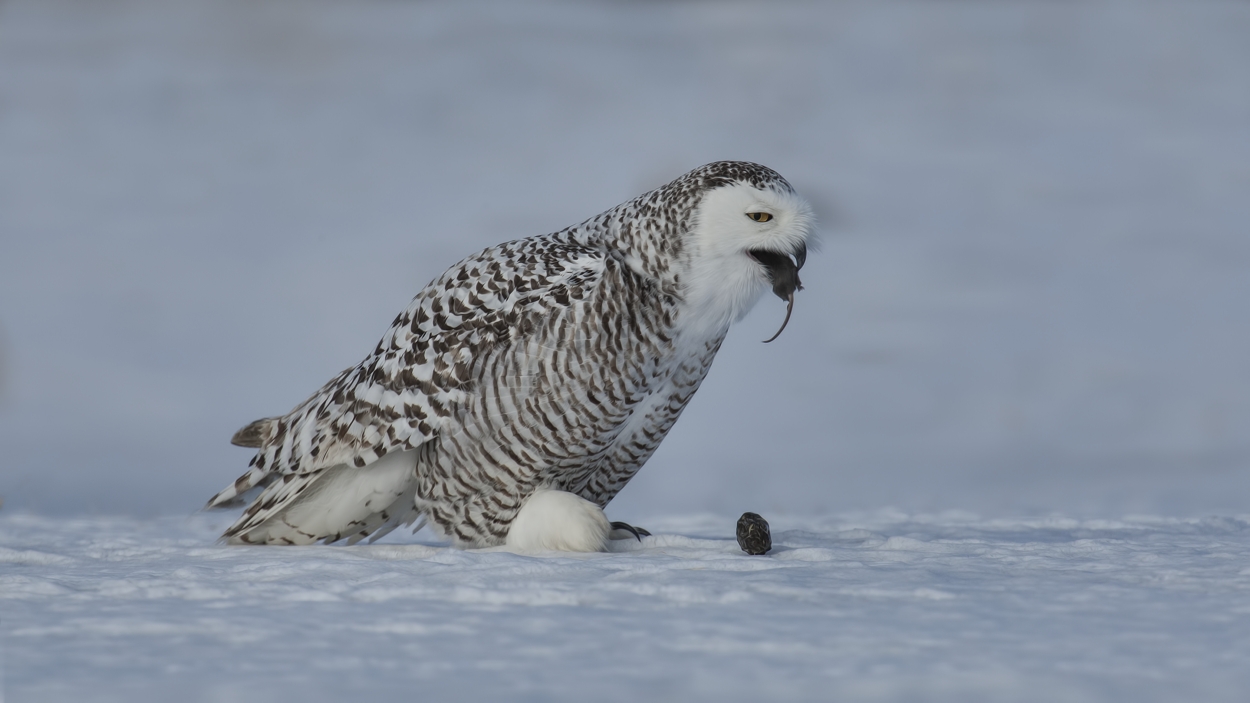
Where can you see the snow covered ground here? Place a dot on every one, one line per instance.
(1030, 319)
(883, 607)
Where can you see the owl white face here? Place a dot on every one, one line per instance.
(745, 241)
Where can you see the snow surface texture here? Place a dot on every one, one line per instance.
(881, 607)
(1033, 299)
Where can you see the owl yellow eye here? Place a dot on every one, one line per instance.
(759, 216)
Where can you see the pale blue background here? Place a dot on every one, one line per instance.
(1034, 294)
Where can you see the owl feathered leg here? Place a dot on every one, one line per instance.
(558, 521)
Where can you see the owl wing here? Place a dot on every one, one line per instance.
(403, 394)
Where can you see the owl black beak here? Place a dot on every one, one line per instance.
(783, 273)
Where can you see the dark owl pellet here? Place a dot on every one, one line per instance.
(753, 535)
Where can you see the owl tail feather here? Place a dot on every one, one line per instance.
(255, 433)
(236, 493)
(332, 504)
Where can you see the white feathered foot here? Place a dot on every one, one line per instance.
(558, 521)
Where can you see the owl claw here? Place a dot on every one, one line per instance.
(637, 532)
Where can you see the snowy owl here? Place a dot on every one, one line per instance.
(524, 387)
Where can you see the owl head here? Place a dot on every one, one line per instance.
(747, 233)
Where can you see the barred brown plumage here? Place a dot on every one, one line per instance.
(555, 363)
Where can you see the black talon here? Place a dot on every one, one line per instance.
(637, 532)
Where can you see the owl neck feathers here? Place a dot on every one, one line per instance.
(645, 234)
(653, 241)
